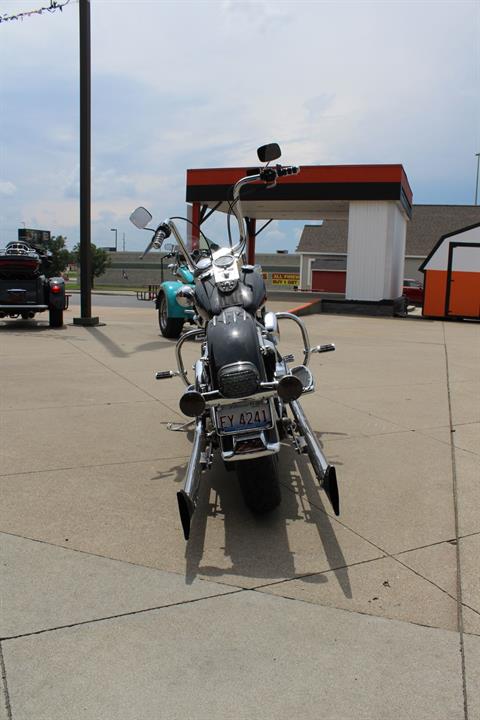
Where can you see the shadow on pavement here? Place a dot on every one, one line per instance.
(27, 326)
(258, 545)
(117, 351)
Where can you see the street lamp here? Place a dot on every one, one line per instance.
(115, 231)
(476, 182)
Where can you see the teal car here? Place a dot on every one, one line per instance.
(171, 315)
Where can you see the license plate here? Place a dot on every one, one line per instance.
(236, 418)
(17, 296)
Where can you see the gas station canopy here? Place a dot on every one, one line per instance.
(375, 199)
(319, 192)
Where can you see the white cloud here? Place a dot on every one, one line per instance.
(196, 84)
(7, 188)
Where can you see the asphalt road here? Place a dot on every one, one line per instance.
(101, 300)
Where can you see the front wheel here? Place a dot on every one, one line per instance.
(55, 317)
(259, 483)
(169, 327)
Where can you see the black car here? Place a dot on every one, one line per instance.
(25, 288)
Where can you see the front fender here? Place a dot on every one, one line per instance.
(169, 289)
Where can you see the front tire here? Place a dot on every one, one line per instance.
(169, 327)
(259, 483)
(55, 317)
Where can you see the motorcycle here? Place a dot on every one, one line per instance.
(244, 394)
(171, 314)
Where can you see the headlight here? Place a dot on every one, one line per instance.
(185, 296)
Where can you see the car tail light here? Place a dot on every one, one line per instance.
(56, 288)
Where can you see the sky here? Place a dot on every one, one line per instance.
(203, 83)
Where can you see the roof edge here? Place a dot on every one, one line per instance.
(444, 237)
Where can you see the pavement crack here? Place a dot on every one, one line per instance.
(8, 706)
(457, 531)
(95, 465)
(122, 377)
(401, 428)
(318, 572)
(451, 541)
(425, 433)
(384, 552)
(356, 611)
(97, 555)
(72, 406)
(116, 616)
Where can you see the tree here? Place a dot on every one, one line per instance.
(60, 257)
(100, 259)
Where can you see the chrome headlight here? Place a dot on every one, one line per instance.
(185, 296)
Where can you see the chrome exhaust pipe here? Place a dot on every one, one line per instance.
(187, 498)
(325, 473)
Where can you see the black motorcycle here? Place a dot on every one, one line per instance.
(25, 288)
(244, 396)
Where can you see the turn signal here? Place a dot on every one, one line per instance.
(192, 403)
(289, 388)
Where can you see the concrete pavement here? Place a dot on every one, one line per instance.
(106, 614)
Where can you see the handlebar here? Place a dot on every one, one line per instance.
(161, 233)
(287, 170)
(269, 175)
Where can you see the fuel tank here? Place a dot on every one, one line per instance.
(249, 293)
(236, 363)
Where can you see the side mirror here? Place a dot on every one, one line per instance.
(270, 152)
(140, 218)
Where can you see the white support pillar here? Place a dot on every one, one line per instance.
(305, 271)
(376, 250)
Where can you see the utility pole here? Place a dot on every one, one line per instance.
(476, 181)
(85, 169)
(116, 235)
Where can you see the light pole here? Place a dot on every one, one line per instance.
(476, 182)
(115, 231)
(85, 169)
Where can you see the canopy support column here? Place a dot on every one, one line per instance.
(196, 220)
(251, 228)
